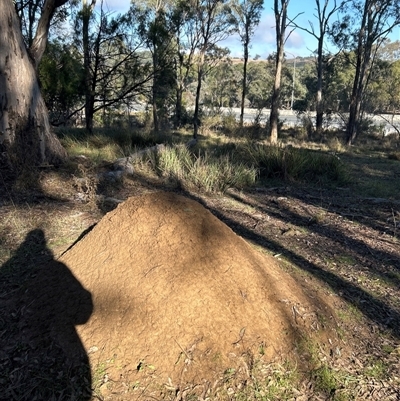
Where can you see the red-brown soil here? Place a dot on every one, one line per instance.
(178, 295)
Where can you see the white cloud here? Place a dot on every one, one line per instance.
(233, 44)
(295, 41)
(265, 31)
(115, 5)
(262, 42)
(264, 39)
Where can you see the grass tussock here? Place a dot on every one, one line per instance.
(202, 171)
(96, 148)
(214, 166)
(104, 144)
(240, 165)
(296, 164)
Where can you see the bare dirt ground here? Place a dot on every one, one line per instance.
(324, 263)
(175, 289)
(346, 247)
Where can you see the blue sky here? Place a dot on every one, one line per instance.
(299, 43)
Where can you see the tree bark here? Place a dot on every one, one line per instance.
(87, 10)
(373, 19)
(355, 100)
(25, 134)
(244, 83)
(274, 115)
(280, 19)
(319, 102)
(178, 107)
(196, 119)
(42, 31)
(156, 80)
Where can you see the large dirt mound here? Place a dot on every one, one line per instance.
(177, 292)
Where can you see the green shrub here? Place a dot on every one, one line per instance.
(229, 124)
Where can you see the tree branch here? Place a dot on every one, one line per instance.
(42, 32)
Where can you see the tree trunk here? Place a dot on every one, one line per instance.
(351, 132)
(39, 42)
(244, 83)
(274, 115)
(155, 90)
(364, 50)
(320, 114)
(87, 10)
(178, 107)
(355, 102)
(280, 28)
(319, 103)
(360, 83)
(179, 90)
(275, 101)
(25, 134)
(196, 120)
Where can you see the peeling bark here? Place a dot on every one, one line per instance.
(25, 134)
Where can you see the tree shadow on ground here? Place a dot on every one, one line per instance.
(353, 247)
(41, 302)
(376, 310)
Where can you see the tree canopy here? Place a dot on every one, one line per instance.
(171, 57)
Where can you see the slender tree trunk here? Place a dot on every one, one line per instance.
(280, 20)
(276, 97)
(89, 111)
(178, 107)
(244, 83)
(351, 132)
(200, 71)
(156, 124)
(320, 113)
(25, 133)
(89, 100)
(32, 10)
(355, 104)
(319, 101)
(39, 42)
(179, 88)
(196, 122)
(360, 83)
(364, 51)
(274, 116)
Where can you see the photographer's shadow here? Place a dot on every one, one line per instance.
(41, 302)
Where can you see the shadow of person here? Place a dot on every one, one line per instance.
(41, 302)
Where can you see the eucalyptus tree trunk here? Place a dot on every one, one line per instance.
(179, 86)
(246, 16)
(275, 101)
(156, 124)
(87, 10)
(360, 79)
(280, 27)
(26, 138)
(178, 106)
(378, 19)
(244, 83)
(319, 101)
(196, 115)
